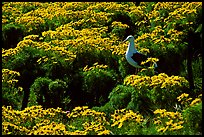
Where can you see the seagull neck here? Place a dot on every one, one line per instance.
(131, 46)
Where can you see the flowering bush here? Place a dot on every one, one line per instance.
(155, 90)
(48, 93)
(97, 83)
(84, 121)
(168, 121)
(73, 52)
(11, 94)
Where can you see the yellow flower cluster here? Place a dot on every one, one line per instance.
(9, 52)
(157, 36)
(138, 11)
(168, 121)
(49, 129)
(80, 14)
(31, 37)
(161, 81)
(185, 100)
(17, 120)
(119, 24)
(98, 119)
(95, 66)
(177, 11)
(35, 120)
(122, 115)
(94, 15)
(8, 76)
(195, 101)
(185, 9)
(45, 12)
(144, 51)
(12, 10)
(30, 22)
(119, 49)
(151, 60)
(9, 81)
(85, 39)
(111, 6)
(28, 41)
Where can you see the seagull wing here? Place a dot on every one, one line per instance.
(138, 57)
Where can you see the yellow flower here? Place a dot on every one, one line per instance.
(39, 60)
(161, 129)
(200, 96)
(184, 95)
(144, 50)
(176, 127)
(169, 122)
(195, 101)
(120, 125)
(165, 128)
(105, 132)
(180, 122)
(159, 111)
(119, 24)
(188, 99)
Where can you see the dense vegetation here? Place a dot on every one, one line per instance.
(64, 71)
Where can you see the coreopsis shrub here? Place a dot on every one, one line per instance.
(168, 122)
(37, 55)
(123, 120)
(34, 62)
(153, 91)
(12, 94)
(87, 121)
(97, 83)
(49, 93)
(192, 112)
(164, 30)
(193, 118)
(186, 118)
(120, 96)
(33, 121)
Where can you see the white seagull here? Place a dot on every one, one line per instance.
(134, 57)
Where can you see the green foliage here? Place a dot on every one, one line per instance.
(11, 96)
(122, 67)
(120, 96)
(39, 91)
(107, 108)
(26, 63)
(48, 93)
(11, 35)
(193, 118)
(97, 84)
(125, 68)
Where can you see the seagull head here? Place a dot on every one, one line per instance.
(129, 38)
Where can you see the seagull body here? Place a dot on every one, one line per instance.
(132, 56)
